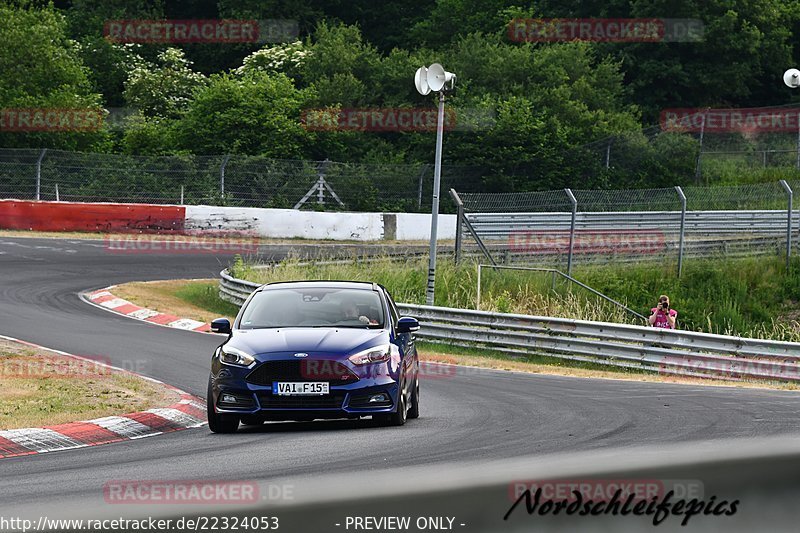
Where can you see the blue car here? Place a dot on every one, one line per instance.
(310, 350)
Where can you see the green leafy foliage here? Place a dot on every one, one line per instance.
(545, 100)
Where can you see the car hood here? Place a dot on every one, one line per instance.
(310, 340)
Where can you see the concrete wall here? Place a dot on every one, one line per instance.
(268, 223)
(289, 223)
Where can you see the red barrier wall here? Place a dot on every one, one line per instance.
(64, 216)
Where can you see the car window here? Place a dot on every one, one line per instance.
(395, 314)
(313, 307)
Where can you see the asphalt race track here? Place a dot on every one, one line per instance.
(470, 417)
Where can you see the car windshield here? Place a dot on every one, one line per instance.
(313, 307)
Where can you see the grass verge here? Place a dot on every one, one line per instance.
(43, 388)
(195, 299)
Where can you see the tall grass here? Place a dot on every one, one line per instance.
(752, 297)
(456, 285)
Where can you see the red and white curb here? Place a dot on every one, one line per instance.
(104, 298)
(189, 412)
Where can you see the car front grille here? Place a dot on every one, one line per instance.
(328, 401)
(333, 372)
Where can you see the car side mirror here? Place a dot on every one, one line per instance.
(407, 324)
(221, 325)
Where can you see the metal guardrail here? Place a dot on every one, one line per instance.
(490, 225)
(533, 236)
(676, 352)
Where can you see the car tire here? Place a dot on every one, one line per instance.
(219, 422)
(413, 409)
(398, 418)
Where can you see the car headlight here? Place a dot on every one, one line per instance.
(376, 354)
(234, 356)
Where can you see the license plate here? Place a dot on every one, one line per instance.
(300, 388)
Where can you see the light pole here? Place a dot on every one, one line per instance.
(437, 79)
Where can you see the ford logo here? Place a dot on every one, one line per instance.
(301, 355)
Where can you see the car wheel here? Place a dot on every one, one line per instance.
(249, 420)
(413, 410)
(219, 422)
(397, 418)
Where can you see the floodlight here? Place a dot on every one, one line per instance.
(791, 78)
(438, 77)
(421, 81)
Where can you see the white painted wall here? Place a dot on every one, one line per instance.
(417, 227)
(286, 223)
(290, 223)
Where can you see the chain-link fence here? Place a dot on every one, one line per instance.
(700, 146)
(667, 225)
(247, 181)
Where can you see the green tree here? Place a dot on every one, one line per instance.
(164, 89)
(40, 67)
(255, 113)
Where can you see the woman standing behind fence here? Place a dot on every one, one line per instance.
(662, 316)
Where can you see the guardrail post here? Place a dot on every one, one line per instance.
(790, 194)
(39, 175)
(459, 222)
(571, 229)
(682, 196)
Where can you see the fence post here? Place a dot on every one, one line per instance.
(797, 162)
(39, 175)
(459, 218)
(571, 229)
(222, 176)
(697, 168)
(790, 194)
(58, 197)
(683, 229)
(181, 195)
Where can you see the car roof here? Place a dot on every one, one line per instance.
(328, 284)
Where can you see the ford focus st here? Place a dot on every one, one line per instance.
(314, 350)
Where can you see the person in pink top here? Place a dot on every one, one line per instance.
(663, 316)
